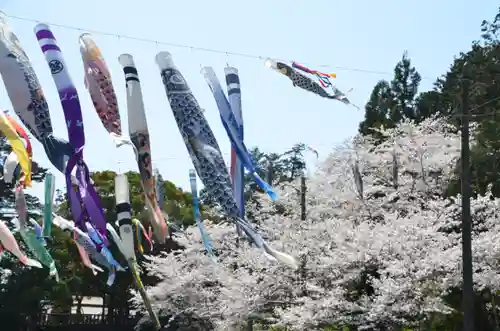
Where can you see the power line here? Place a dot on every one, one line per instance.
(492, 113)
(201, 49)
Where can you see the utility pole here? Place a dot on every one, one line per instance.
(303, 189)
(468, 285)
(269, 172)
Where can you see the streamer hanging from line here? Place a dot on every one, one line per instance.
(140, 230)
(30, 237)
(18, 148)
(160, 192)
(27, 98)
(94, 235)
(6, 237)
(139, 134)
(85, 243)
(85, 256)
(21, 133)
(124, 215)
(22, 84)
(11, 169)
(87, 246)
(9, 243)
(197, 216)
(125, 241)
(100, 86)
(306, 83)
(237, 167)
(72, 112)
(232, 129)
(160, 199)
(49, 184)
(38, 231)
(204, 150)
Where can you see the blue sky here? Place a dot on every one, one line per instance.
(362, 34)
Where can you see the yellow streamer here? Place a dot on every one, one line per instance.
(17, 146)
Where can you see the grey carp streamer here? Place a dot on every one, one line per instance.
(204, 150)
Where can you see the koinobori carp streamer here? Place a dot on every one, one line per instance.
(232, 128)
(204, 150)
(18, 148)
(306, 83)
(68, 96)
(30, 237)
(84, 242)
(27, 97)
(100, 86)
(124, 216)
(197, 215)
(139, 134)
(22, 85)
(237, 167)
(125, 241)
(48, 204)
(8, 242)
(93, 246)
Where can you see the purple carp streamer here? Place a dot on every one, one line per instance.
(139, 134)
(204, 150)
(306, 83)
(98, 83)
(73, 115)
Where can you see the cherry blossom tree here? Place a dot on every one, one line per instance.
(380, 249)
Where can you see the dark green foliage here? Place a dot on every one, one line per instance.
(390, 102)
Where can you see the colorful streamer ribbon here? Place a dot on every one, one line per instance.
(37, 248)
(18, 148)
(204, 150)
(72, 112)
(94, 235)
(323, 78)
(48, 204)
(86, 247)
(140, 230)
(197, 216)
(139, 134)
(232, 129)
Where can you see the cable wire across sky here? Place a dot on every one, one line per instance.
(202, 49)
